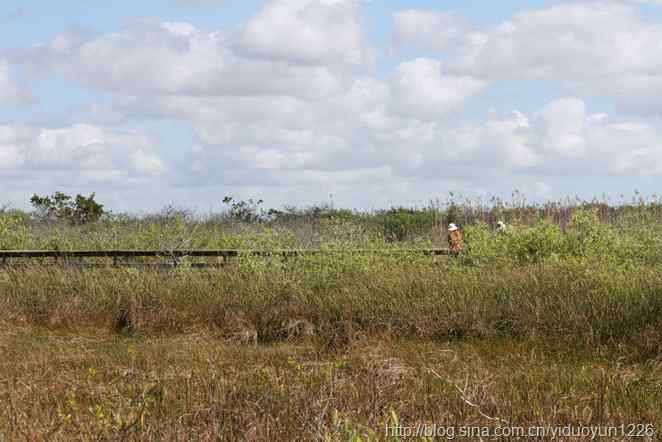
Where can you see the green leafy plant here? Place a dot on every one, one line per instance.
(62, 207)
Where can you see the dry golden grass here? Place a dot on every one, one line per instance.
(93, 385)
(326, 349)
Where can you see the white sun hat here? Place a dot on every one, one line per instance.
(452, 227)
(501, 224)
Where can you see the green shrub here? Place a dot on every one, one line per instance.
(519, 244)
(535, 244)
(483, 245)
(13, 230)
(586, 236)
(400, 224)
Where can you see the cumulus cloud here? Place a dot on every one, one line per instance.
(12, 154)
(302, 48)
(559, 139)
(562, 126)
(100, 153)
(307, 31)
(567, 41)
(566, 139)
(598, 47)
(402, 127)
(152, 57)
(423, 90)
(602, 47)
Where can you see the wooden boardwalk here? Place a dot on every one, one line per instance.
(104, 258)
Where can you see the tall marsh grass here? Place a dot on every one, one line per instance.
(592, 301)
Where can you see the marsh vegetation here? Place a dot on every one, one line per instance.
(556, 321)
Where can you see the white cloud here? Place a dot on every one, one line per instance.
(300, 48)
(562, 124)
(423, 90)
(405, 125)
(429, 30)
(574, 41)
(598, 47)
(307, 31)
(12, 154)
(510, 139)
(562, 138)
(570, 141)
(150, 57)
(81, 149)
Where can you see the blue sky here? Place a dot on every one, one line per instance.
(377, 103)
(31, 21)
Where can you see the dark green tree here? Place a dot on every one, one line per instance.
(62, 207)
(245, 211)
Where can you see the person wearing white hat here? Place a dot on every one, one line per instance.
(501, 227)
(455, 240)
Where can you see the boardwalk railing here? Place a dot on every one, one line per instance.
(78, 256)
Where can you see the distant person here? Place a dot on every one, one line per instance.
(455, 240)
(501, 227)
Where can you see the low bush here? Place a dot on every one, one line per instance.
(14, 231)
